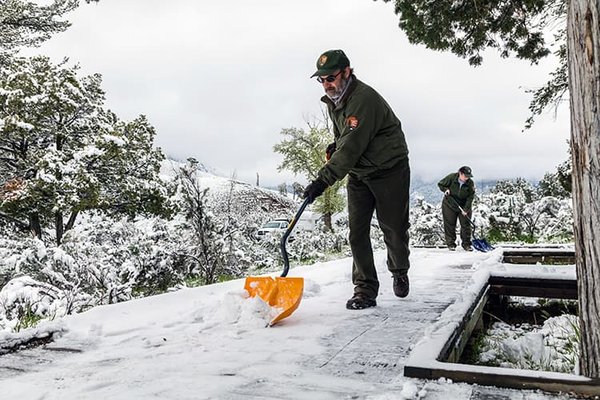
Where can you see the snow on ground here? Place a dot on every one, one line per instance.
(211, 342)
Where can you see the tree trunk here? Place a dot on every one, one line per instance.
(59, 226)
(583, 41)
(327, 221)
(71, 221)
(35, 225)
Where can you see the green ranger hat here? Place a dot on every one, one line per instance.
(467, 171)
(331, 61)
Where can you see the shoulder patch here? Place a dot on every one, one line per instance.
(352, 122)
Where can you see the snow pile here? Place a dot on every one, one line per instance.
(236, 307)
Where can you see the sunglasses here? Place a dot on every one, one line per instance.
(329, 78)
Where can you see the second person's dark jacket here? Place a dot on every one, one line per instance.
(463, 195)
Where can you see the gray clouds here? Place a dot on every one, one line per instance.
(219, 80)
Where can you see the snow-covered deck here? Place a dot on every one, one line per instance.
(436, 355)
(210, 342)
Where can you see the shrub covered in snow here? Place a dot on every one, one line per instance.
(514, 211)
(550, 347)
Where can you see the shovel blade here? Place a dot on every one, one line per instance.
(282, 293)
(482, 245)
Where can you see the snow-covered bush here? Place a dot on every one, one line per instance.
(554, 346)
(518, 211)
(12, 247)
(557, 226)
(25, 301)
(426, 226)
(124, 258)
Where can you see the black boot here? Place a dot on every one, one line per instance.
(401, 285)
(360, 301)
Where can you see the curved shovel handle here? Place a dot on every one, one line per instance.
(286, 261)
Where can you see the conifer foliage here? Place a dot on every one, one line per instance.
(62, 152)
(26, 23)
(517, 28)
(466, 28)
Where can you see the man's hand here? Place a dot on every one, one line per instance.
(329, 151)
(314, 190)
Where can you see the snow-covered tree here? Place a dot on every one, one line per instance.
(304, 153)
(537, 217)
(550, 185)
(62, 153)
(518, 211)
(517, 187)
(205, 236)
(426, 226)
(558, 222)
(558, 183)
(26, 23)
(506, 204)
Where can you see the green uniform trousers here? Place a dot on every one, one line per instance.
(387, 195)
(450, 214)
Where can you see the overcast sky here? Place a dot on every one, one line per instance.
(219, 80)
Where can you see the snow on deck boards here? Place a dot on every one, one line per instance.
(187, 345)
(375, 343)
(31, 360)
(372, 345)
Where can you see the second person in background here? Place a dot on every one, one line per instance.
(459, 192)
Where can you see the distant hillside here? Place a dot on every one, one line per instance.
(239, 198)
(428, 190)
(432, 195)
(271, 201)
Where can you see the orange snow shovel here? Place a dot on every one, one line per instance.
(281, 292)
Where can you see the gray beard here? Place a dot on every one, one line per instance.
(337, 96)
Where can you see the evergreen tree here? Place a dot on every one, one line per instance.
(519, 187)
(205, 237)
(564, 174)
(62, 153)
(552, 184)
(515, 27)
(26, 24)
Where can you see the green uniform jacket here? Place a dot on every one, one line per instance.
(368, 136)
(463, 195)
